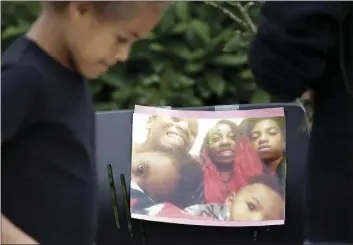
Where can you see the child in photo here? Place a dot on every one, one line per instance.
(154, 178)
(261, 199)
(268, 137)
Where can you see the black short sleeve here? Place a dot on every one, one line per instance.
(20, 94)
(48, 176)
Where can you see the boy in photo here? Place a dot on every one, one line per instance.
(261, 199)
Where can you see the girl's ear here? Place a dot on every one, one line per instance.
(77, 9)
(150, 121)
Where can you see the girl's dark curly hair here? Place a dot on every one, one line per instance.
(270, 181)
(247, 125)
(190, 189)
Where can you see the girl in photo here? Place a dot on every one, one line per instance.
(267, 136)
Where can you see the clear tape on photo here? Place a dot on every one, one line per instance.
(226, 107)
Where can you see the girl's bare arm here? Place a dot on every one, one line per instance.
(11, 234)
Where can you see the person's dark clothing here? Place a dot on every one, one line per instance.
(48, 176)
(191, 188)
(139, 200)
(280, 172)
(309, 45)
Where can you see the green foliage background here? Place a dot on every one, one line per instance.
(196, 56)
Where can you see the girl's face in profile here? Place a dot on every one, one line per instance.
(96, 44)
(156, 173)
(266, 137)
(257, 202)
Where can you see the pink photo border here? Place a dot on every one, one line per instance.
(208, 222)
(256, 113)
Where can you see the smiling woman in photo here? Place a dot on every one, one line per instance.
(169, 134)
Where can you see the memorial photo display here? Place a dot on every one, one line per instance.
(212, 168)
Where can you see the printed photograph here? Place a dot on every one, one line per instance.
(213, 168)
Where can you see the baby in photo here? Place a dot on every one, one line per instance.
(261, 199)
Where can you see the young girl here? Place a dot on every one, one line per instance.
(49, 188)
(268, 138)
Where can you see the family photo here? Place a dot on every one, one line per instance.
(66, 65)
(224, 168)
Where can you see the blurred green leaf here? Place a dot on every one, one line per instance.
(168, 21)
(245, 39)
(230, 60)
(182, 10)
(234, 43)
(246, 74)
(157, 47)
(180, 28)
(105, 106)
(216, 82)
(260, 97)
(179, 50)
(202, 29)
(96, 88)
(194, 67)
(13, 31)
(153, 79)
(112, 80)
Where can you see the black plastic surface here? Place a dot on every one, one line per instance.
(114, 148)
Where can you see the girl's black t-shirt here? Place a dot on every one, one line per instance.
(48, 178)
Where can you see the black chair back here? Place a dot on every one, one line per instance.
(115, 226)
